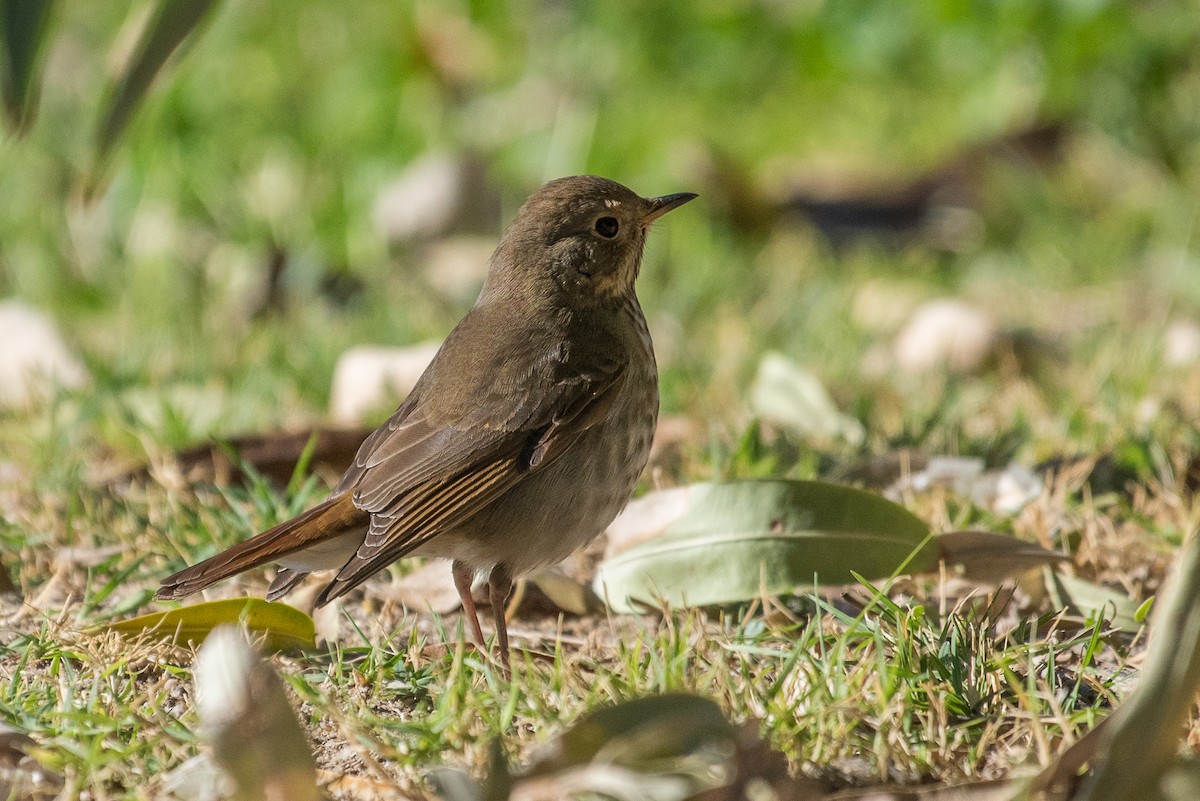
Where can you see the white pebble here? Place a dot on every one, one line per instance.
(371, 377)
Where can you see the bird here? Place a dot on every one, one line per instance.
(524, 437)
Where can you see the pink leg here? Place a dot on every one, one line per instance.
(499, 588)
(464, 577)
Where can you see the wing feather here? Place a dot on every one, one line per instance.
(443, 475)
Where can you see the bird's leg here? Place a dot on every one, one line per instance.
(464, 577)
(499, 586)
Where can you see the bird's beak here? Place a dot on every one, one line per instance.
(661, 205)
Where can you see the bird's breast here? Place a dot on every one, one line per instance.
(563, 506)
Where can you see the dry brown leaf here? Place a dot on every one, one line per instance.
(993, 790)
(22, 776)
(274, 455)
(565, 593)
(991, 558)
(429, 588)
(360, 788)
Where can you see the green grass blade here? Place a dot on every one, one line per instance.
(1144, 740)
(170, 26)
(24, 25)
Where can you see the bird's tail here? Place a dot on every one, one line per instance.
(324, 521)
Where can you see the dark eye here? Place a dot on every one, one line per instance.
(607, 227)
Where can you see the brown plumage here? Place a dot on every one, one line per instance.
(524, 437)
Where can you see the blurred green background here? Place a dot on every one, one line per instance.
(265, 150)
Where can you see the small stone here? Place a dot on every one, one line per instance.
(34, 359)
(881, 307)
(946, 333)
(1181, 343)
(439, 194)
(457, 266)
(371, 377)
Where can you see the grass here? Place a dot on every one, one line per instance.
(866, 690)
(1094, 255)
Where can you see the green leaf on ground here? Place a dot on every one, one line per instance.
(281, 626)
(1142, 743)
(1091, 599)
(736, 541)
(786, 395)
(639, 731)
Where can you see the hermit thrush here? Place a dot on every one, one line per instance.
(525, 435)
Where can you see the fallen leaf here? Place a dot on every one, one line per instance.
(281, 626)
(564, 592)
(786, 395)
(738, 540)
(1090, 599)
(273, 455)
(21, 775)
(648, 517)
(246, 718)
(991, 558)
(429, 588)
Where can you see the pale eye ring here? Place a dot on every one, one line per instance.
(607, 227)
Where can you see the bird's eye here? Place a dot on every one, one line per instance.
(607, 227)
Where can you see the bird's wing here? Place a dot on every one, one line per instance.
(424, 472)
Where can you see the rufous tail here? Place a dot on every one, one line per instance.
(322, 522)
